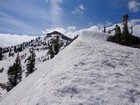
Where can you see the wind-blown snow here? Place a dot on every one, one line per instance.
(7, 40)
(90, 71)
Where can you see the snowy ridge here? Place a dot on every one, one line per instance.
(90, 71)
(93, 35)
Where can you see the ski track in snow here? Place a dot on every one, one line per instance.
(90, 71)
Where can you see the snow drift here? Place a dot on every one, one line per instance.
(90, 71)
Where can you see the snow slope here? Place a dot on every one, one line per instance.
(7, 40)
(90, 71)
(40, 46)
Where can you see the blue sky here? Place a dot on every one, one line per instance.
(32, 17)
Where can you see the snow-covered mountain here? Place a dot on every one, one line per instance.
(40, 46)
(11, 40)
(90, 71)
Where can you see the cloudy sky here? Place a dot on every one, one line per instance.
(34, 17)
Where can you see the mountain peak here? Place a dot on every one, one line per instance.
(56, 33)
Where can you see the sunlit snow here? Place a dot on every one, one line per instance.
(90, 71)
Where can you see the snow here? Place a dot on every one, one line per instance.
(90, 71)
(7, 40)
(40, 46)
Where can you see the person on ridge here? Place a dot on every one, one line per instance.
(117, 30)
(117, 37)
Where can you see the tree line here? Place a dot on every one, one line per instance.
(125, 37)
(15, 71)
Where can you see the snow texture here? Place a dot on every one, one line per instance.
(90, 71)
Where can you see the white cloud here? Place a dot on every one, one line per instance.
(135, 21)
(72, 31)
(108, 23)
(59, 29)
(13, 39)
(136, 26)
(56, 12)
(136, 29)
(94, 28)
(134, 6)
(79, 9)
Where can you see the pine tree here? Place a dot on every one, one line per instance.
(1, 53)
(125, 26)
(15, 49)
(54, 47)
(14, 74)
(50, 51)
(31, 63)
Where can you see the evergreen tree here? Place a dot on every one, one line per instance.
(125, 32)
(54, 47)
(50, 51)
(20, 48)
(14, 74)
(15, 49)
(1, 53)
(10, 52)
(31, 63)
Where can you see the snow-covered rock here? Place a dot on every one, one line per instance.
(90, 71)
